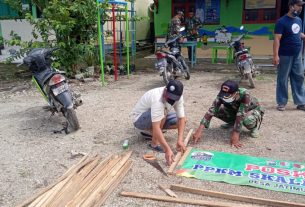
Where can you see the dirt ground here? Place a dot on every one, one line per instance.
(32, 156)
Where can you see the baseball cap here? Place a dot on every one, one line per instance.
(228, 88)
(293, 2)
(174, 90)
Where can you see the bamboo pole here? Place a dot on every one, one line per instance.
(247, 199)
(179, 154)
(180, 200)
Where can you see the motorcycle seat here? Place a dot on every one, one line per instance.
(43, 76)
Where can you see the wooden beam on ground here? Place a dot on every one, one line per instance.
(113, 174)
(181, 200)
(185, 154)
(168, 191)
(114, 184)
(179, 154)
(247, 199)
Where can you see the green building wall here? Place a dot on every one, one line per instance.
(230, 15)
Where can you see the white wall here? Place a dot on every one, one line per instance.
(141, 7)
(22, 27)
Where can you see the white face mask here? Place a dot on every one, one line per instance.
(229, 100)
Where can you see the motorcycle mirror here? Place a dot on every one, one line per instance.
(181, 29)
(241, 27)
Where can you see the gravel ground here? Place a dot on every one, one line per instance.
(32, 156)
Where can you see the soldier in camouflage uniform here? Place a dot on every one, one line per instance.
(191, 23)
(237, 108)
(175, 25)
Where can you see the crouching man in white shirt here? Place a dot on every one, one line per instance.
(153, 112)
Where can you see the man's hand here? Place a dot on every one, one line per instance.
(198, 134)
(180, 146)
(169, 156)
(235, 140)
(276, 60)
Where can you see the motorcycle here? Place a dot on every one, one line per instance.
(171, 64)
(243, 59)
(53, 86)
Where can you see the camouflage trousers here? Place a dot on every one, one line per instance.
(251, 120)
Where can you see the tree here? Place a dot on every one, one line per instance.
(72, 23)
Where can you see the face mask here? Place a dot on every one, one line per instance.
(229, 100)
(295, 13)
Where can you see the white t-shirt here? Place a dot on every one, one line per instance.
(153, 99)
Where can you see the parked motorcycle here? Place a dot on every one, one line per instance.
(243, 59)
(53, 86)
(171, 64)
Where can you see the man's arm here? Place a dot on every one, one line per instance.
(205, 122)
(276, 46)
(159, 138)
(302, 36)
(181, 125)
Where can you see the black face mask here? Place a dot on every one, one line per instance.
(170, 101)
(295, 13)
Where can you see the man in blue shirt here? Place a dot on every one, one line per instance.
(287, 56)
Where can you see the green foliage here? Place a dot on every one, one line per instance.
(69, 25)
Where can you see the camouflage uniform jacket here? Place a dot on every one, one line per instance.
(191, 26)
(174, 27)
(235, 110)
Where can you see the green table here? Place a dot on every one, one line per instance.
(229, 53)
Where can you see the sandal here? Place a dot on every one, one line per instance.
(280, 107)
(157, 148)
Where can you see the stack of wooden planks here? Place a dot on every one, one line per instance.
(88, 183)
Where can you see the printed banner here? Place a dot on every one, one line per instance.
(237, 169)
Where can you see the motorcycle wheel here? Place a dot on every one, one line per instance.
(167, 74)
(251, 81)
(186, 70)
(72, 119)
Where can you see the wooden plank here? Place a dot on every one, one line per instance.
(179, 154)
(112, 186)
(168, 191)
(247, 199)
(67, 192)
(84, 192)
(71, 171)
(91, 200)
(185, 154)
(181, 200)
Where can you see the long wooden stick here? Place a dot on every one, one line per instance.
(179, 154)
(168, 191)
(115, 183)
(180, 200)
(66, 193)
(247, 199)
(91, 200)
(185, 154)
(86, 189)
